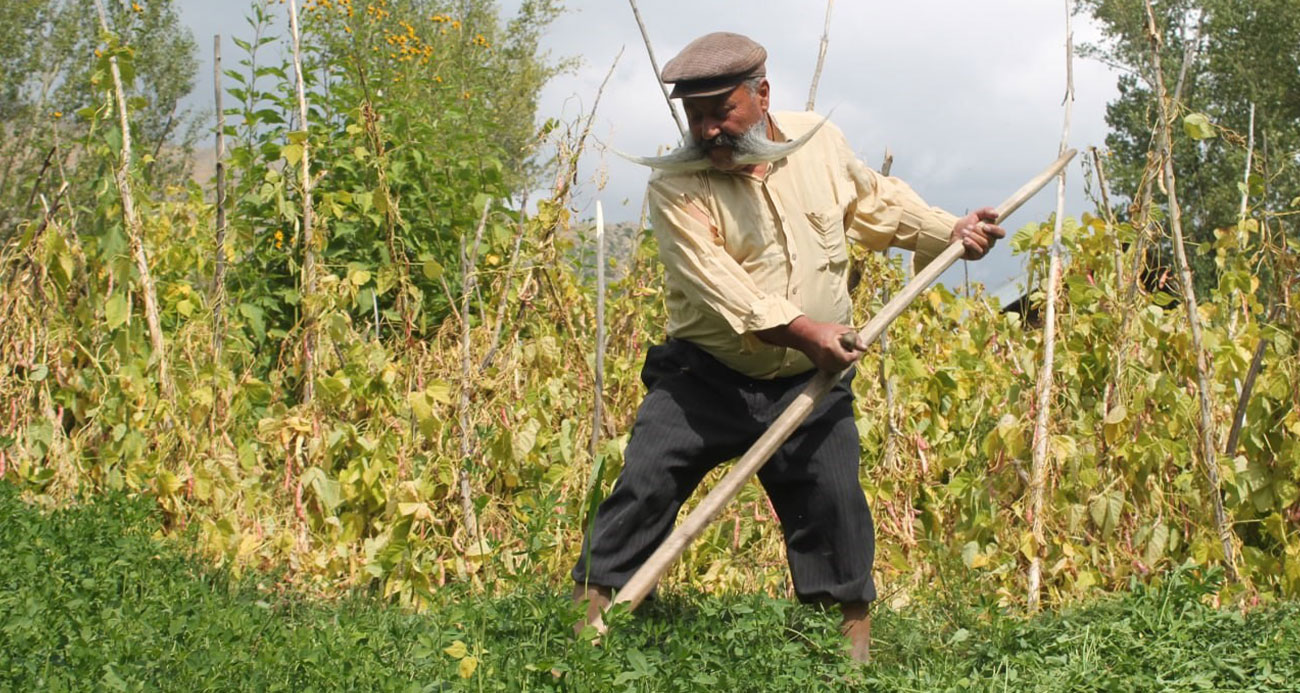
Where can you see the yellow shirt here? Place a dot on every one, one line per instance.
(745, 253)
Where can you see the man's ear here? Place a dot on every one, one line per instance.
(764, 91)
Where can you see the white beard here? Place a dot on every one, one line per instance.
(753, 147)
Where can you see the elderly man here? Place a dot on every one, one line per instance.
(752, 217)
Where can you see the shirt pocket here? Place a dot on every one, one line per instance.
(829, 230)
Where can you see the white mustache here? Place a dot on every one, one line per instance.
(749, 149)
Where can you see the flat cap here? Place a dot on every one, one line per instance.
(713, 64)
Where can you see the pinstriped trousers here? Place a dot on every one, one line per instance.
(698, 413)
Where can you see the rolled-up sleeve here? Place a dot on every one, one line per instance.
(700, 267)
(886, 212)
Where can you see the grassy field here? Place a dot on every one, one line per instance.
(90, 600)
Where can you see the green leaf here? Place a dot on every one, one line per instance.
(116, 311)
(297, 136)
(292, 153)
(432, 269)
(457, 650)
(1198, 127)
(1156, 544)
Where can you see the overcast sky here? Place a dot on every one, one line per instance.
(967, 95)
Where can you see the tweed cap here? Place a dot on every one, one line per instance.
(713, 64)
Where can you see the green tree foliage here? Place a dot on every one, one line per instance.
(1241, 53)
(50, 74)
(423, 111)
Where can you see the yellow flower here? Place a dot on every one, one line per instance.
(136, 6)
(455, 24)
(57, 114)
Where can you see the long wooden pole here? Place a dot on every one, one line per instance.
(134, 225)
(597, 412)
(645, 36)
(1038, 477)
(1208, 457)
(219, 275)
(308, 232)
(648, 575)
(821, 57)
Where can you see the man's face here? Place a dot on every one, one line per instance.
(729, 114)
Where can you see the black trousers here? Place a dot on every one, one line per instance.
(698, 413)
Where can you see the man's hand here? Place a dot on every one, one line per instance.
(819, 341)
(978, 232)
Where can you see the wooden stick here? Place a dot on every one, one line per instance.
(1241, 221)
(600, 330)
(468, 261)
(892, 434)
(645, 36)
(1243, 398)
(1208, 457)
(821, 57)
(1038, 474)
(219, 274)
(134, 226)
(308, 238)
(645, 578)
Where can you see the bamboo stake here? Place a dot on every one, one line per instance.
(308, 238)
(219, 275)
(600, 329)
(1189, 302)
(134, 226)
(821, 57)
(645, 36)
(1241, 219)
(892, 434)
(1243, 398)
(645, 578)
(1038, 475)
(468, 260)
(505, 288)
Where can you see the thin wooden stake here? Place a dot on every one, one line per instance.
(1241, 219)
(892, 434)
(218, 292)
(821, 57)
(1208, 456)
(645, 36)
(308, 236)
(134, 227)
(1243, 398)
(468, 260)
(1038, 475)
(597, 407)
(671, 549)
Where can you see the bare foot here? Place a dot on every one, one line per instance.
(856, 628)
(596, 599)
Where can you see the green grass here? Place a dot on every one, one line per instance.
(89, 600)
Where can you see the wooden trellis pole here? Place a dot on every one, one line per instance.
(821, 57)
(308, 235)
(645, 36)
(134, 226)
(1208, 456)
(218, 292)
(1038, 477)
